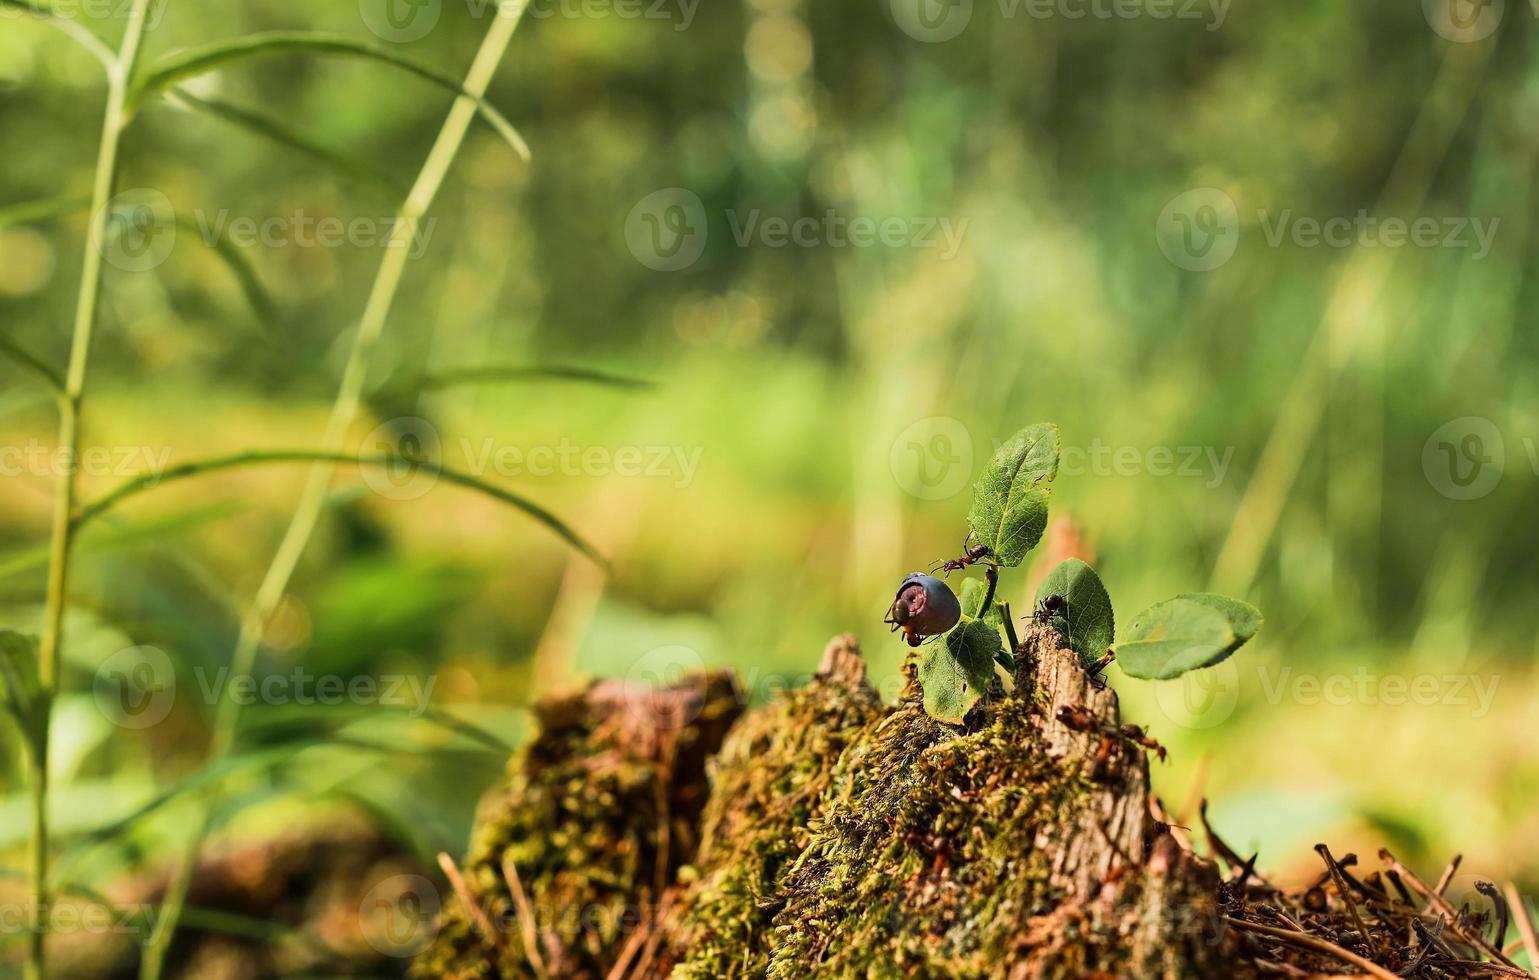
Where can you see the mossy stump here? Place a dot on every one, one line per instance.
(654, 833)
(840, 838)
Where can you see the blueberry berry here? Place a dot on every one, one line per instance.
(925, 606)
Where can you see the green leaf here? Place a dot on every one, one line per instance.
(196, 783)
(175, 69)
(240, 267)
(320, 724)
(971, 598)
(1009, 510)
(1086, 621)
(956, 673)
(1244, 618)
(1175, 636)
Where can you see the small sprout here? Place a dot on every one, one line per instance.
(1007, 520)
(924, 606)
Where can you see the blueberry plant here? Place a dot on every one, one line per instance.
(1008, 517)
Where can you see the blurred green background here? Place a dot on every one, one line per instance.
(1341, 432)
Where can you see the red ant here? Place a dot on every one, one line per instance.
(1054, 605)
(1049, 607)
(1082, 719)
(1079, 718)
(1140, 736)
(974, 554)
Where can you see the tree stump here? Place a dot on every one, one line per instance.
(837, 837)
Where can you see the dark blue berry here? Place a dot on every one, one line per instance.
(924, 606)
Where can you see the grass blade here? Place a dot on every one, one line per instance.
(137, 485)
(344, 410)
(14, 563)
(275, 130)
(32, 363)
(197, 782)
(174, 70)
(51, 207)
(453, 377)
(61, 526)
(251, 285)
(260, 300)
(210, 920)
(329, 722)
(266, 760)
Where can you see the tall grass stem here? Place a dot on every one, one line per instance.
(61, 536)
(344, 412)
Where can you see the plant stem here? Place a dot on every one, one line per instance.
(61, 538)
(343, 413)
(1005, 659)
(1009, 621)
(991, 576)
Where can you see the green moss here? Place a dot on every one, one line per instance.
(926, 853)
(841, 839)
(924, 863)
(766, 786)
(588, 821)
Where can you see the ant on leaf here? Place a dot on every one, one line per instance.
(972, 555)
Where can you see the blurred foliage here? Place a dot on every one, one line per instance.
(789, 373)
